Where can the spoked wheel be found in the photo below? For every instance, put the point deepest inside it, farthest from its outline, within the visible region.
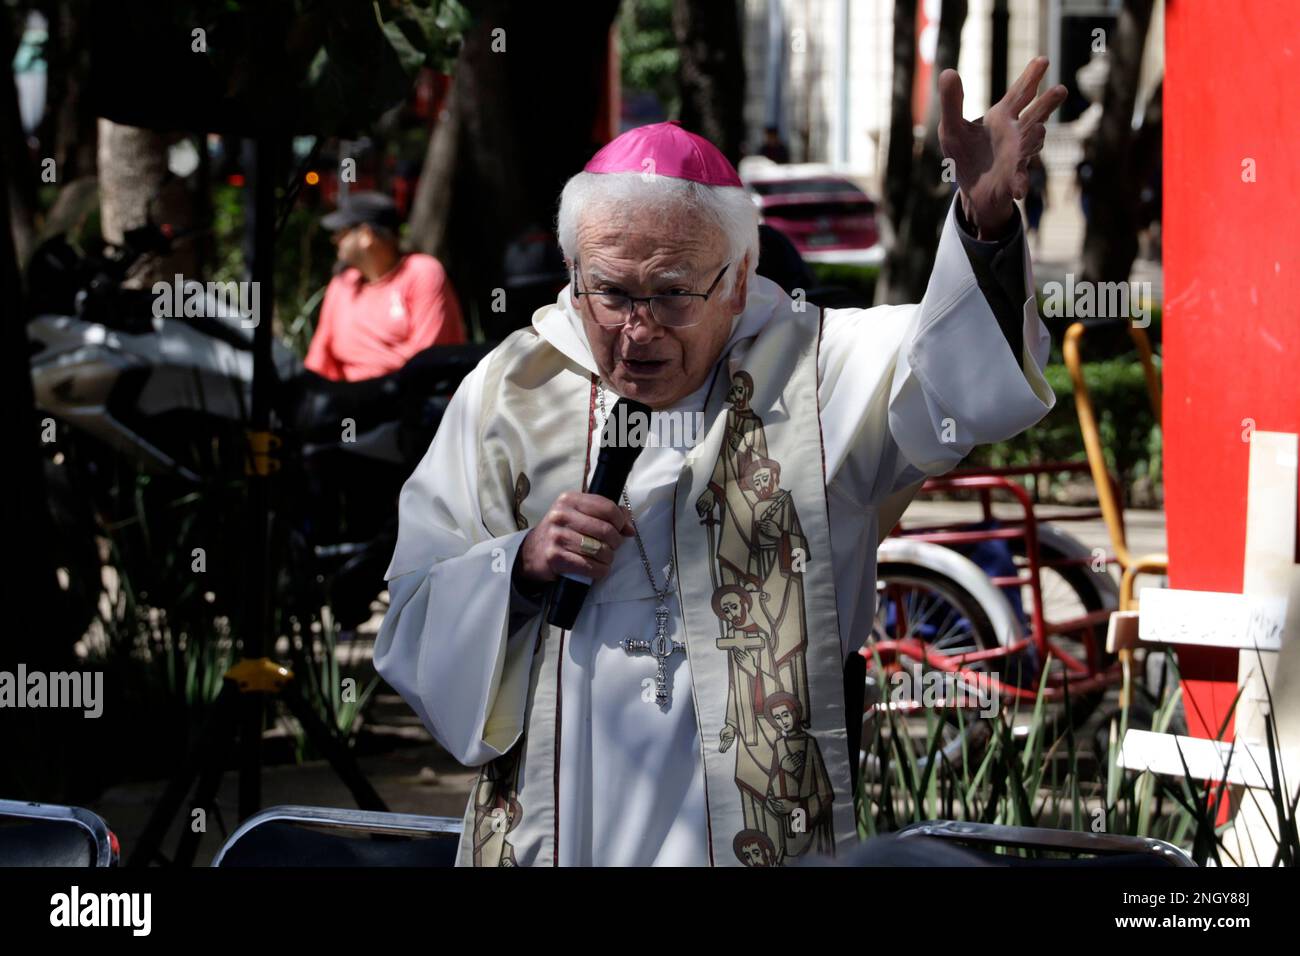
(919, 603)
(1071, 591)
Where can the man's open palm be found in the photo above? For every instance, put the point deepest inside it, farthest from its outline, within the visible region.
(992, 154)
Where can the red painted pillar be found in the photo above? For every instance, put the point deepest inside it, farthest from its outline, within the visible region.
(1232, 291)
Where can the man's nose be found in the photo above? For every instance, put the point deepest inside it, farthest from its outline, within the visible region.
(641, 326)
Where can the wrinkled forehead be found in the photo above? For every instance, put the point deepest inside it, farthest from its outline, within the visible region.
(646, 243)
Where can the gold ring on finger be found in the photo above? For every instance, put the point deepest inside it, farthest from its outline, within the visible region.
(589, 546)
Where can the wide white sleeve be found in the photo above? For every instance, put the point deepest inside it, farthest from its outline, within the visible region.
(446, 644)
(907, 391)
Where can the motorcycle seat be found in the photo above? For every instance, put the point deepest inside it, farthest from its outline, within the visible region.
(439, 369)
(316, 405)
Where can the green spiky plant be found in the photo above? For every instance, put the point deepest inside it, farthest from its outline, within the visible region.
(1202, 801)
(165, 638)
(1030, 774)
(339, 692)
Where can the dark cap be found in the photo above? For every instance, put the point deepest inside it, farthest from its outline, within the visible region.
(363, 208)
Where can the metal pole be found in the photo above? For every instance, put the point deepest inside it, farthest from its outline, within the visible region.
(259, 254)
(843, 86)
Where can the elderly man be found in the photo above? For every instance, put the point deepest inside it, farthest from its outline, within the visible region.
(849, 408)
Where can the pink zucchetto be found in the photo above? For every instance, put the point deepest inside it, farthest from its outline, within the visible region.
(665, 149)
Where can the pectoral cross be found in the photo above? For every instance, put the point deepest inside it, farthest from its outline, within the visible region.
(661, 647)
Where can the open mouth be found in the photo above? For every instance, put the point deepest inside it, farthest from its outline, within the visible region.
(643, 366)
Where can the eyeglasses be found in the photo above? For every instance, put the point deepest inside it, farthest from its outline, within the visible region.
(675, 310)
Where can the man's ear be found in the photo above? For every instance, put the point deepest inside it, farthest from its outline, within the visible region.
(740, 292)
(568, 268)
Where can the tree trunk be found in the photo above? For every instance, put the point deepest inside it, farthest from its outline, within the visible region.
(928, 197)
(711, 72)
(20, 174)
(1110, 242)
(68, 130)
(898, 159)
(498, 170)
(431, 205)
(135, 188)
(999, 28)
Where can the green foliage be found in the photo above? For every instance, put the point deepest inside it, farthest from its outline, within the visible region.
(857, 278)
(167, 632)
(320, 66)
(163, 642)
(1117, 385)
(1028, 774)
(303, 266)
(424, 32)
(1034, 773)
(228, 232)
(323, 676)
(648, 51)
(1129, 432)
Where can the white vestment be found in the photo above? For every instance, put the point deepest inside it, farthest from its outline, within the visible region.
(904, 392)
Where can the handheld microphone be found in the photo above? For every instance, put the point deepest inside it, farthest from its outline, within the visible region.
(621, 440)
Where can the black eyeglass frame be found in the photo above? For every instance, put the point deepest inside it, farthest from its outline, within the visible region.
(649, 300)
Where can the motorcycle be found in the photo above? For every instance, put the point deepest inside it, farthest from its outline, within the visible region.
(144, 416)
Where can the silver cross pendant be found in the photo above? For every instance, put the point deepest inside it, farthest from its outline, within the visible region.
(660, 647)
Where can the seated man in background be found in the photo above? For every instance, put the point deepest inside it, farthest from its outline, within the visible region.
(385, 306)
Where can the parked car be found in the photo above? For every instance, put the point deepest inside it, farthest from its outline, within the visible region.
(825, 215)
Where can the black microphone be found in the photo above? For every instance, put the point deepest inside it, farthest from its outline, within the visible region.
(621, 440)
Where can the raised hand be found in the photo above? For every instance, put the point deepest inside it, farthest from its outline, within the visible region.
(991, 154)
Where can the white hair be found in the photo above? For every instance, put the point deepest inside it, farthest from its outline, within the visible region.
(730, 208)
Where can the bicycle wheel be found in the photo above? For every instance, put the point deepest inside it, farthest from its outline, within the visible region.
(920, 603)
(1071, 591)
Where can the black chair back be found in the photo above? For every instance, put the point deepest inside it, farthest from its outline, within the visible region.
(47, 834)
(329, 837)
